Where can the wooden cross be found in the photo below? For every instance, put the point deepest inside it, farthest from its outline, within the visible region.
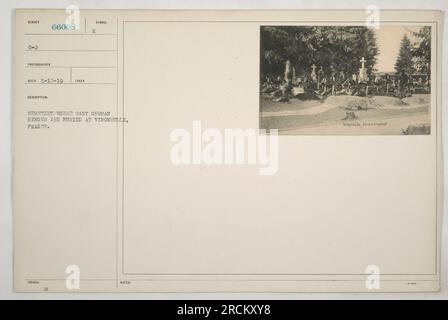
(363, 61)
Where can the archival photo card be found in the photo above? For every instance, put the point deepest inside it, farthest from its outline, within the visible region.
(227, 151)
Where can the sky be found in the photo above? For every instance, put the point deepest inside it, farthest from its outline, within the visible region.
(388, 41)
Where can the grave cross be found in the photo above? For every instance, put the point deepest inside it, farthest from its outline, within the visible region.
(313, 72)
(363, 61)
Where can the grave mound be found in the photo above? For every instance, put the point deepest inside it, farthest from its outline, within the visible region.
(418, 99)
(352, 102)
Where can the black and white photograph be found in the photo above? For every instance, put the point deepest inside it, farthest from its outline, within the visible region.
(349, 80)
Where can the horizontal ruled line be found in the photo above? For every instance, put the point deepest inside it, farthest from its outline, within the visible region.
(55, 50)
(244, 280)
(66, 83)
(70, 34)
(80, 67)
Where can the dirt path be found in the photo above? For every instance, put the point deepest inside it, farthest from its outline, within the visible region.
(384, 126)
(376, 115)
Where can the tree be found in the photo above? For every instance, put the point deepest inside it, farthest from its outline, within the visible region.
(422, 50)
(404, 64)
(367, 48)
(332, 48)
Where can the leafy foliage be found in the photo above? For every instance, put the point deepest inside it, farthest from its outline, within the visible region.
(415, 57)
(404, 64)
(422, 50)
(332, 48)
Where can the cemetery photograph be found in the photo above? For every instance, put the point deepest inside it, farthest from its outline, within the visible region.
(345, 80)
